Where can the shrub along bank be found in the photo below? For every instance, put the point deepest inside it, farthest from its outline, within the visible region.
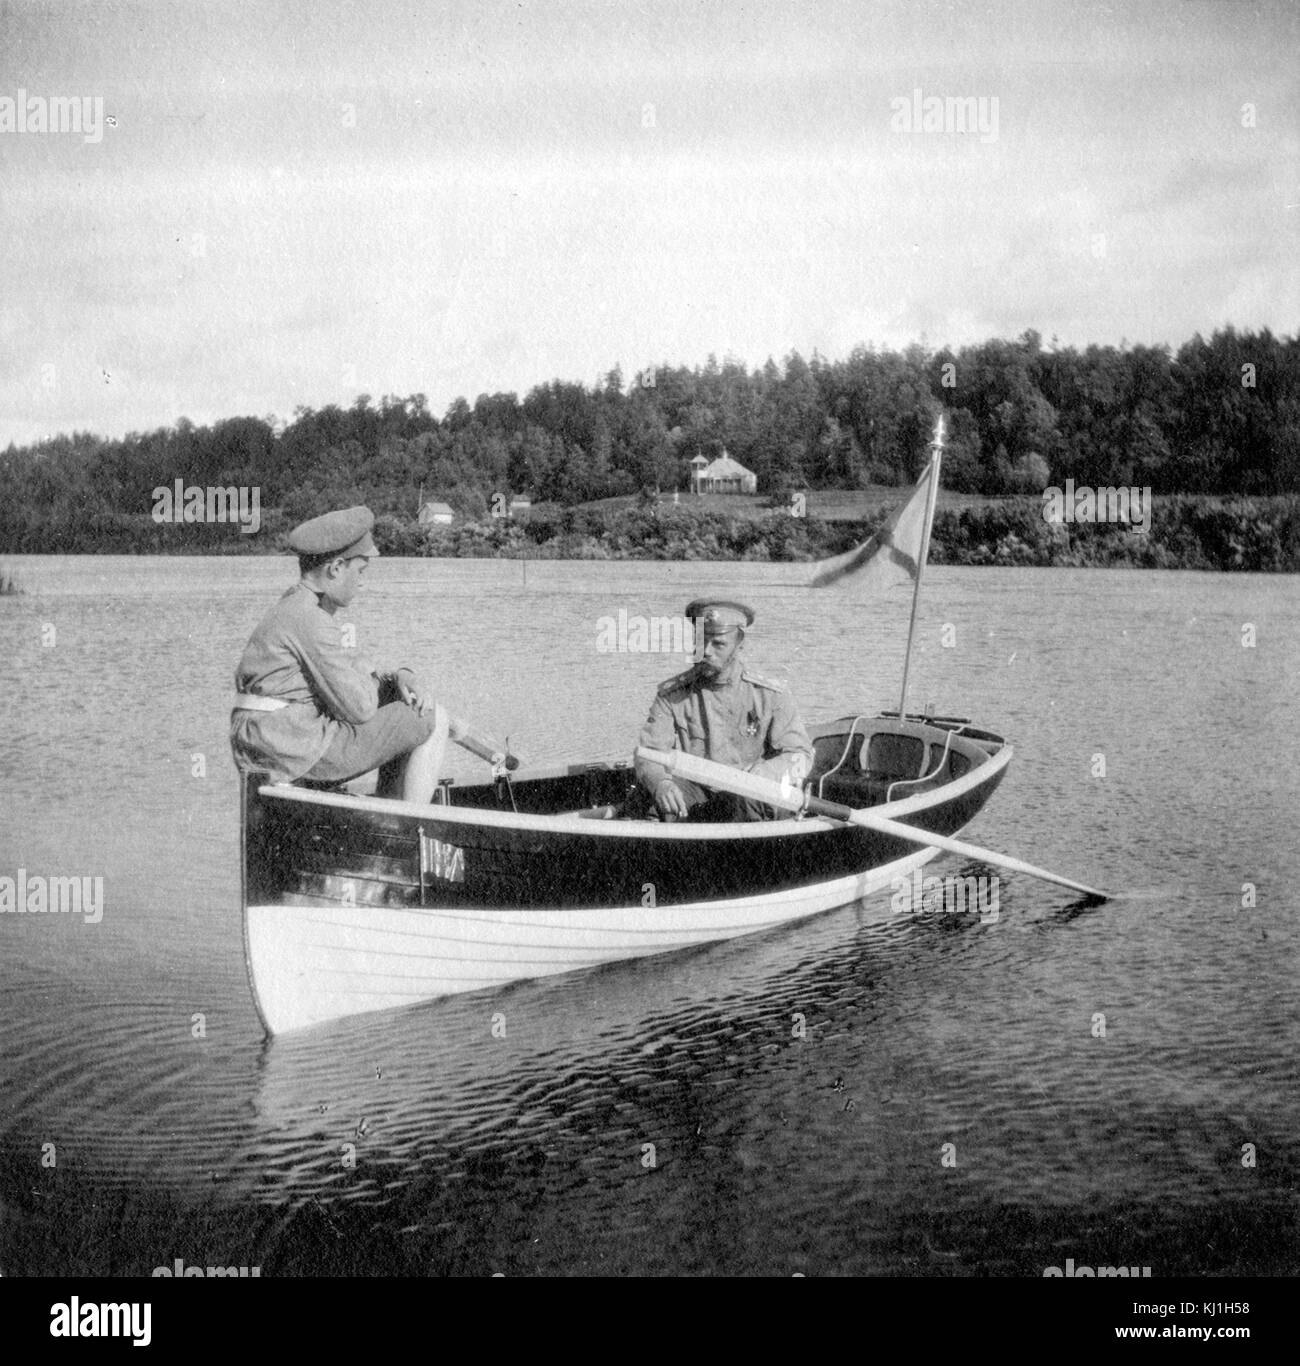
(1187, 531)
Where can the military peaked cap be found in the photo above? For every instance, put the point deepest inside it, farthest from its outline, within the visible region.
(719, 615)
(346, 533)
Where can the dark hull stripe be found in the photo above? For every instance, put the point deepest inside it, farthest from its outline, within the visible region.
(306, 854)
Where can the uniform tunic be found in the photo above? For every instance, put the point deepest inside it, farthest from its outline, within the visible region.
(740, 719)
(295, 655)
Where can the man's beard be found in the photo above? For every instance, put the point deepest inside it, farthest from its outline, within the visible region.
(712, 671)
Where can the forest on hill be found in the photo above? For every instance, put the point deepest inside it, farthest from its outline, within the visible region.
(1219, 416)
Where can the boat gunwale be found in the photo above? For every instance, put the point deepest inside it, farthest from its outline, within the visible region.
(567, 824)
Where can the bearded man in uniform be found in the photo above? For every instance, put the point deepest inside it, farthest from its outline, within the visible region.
(721, 709)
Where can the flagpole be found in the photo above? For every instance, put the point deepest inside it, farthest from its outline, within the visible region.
(935, 459)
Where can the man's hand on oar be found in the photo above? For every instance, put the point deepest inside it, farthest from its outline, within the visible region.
(788, 796)
(415, 692)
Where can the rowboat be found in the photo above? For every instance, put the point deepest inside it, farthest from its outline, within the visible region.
(354, 904)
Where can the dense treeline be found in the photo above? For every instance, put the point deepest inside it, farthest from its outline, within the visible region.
(1219, 416)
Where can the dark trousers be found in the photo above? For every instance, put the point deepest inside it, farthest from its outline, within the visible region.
(383, 742)
(703, 804)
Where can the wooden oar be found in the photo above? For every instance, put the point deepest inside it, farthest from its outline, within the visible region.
(483, 745)
(789, 797)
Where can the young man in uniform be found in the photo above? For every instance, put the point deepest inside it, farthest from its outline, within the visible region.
(721, 710)
(305, 706)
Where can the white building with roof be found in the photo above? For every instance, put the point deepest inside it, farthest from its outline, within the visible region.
(725, 475)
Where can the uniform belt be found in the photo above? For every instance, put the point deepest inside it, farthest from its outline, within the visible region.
(247, 701)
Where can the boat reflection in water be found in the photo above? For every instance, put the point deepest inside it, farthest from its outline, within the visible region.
(577, 1072)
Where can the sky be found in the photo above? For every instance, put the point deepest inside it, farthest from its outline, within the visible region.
(291, 204)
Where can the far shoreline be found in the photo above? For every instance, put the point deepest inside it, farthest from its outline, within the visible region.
(1208, 532)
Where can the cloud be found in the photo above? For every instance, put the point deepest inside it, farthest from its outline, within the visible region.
(393, 200)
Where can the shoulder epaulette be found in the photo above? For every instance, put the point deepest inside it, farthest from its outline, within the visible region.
(680, 680)
(760, 681)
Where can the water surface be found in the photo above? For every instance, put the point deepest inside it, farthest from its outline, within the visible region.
(1155, 755)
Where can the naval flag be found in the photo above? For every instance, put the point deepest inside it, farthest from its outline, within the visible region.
(895, 554)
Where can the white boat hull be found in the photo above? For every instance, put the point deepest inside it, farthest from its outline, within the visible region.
(317, 962)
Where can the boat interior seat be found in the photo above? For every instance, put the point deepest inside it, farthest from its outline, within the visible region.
(826, 753)
(877, 763)
(884, 755)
